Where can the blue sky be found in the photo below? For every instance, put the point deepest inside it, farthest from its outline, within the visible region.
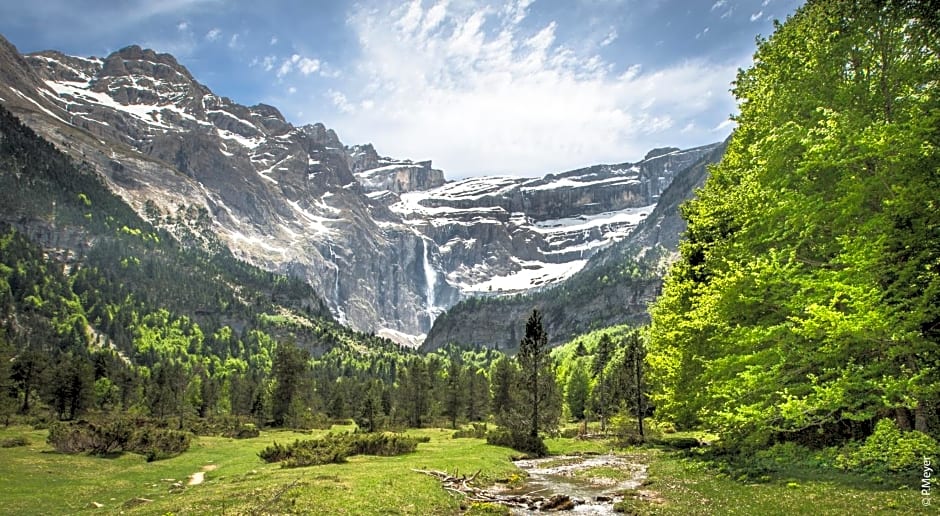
(521, 87)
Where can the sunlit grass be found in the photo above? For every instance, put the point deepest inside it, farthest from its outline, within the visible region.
(36, 480)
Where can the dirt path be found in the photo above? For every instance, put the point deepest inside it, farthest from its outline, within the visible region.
(200, 476)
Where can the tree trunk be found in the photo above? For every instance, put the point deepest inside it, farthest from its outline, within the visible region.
(902, 419)
(920, 417)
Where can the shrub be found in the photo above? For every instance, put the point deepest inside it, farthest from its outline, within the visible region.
(160, 443)
(335, 448)
(666, 427)
(888, 449)
(523, 442)
(243, 431)
(116, 436)
(476, 431)
(383, 444)
(86, 437)
(14, 442)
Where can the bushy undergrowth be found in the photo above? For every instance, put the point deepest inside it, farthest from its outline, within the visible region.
(243, 431)
(335, 448)
(117, 436)
(886, 452)
(888, 449)
(14, 442)
(518, 441)
(476, 431)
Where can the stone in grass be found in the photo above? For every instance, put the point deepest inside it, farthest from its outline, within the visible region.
(134, 502)
(559, 502)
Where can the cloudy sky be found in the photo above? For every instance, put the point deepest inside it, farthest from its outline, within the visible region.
(520, 87)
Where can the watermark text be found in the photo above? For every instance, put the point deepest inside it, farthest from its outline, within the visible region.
(925, 481)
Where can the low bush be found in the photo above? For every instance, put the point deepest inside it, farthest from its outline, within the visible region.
(243, 431)
(112, 436)
(335, 448)
(518, 441)
(476, 431)
(888, 449)
(14, 442)
(159, 443)
(117, 436)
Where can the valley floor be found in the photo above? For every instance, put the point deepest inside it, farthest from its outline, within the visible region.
(225, 476)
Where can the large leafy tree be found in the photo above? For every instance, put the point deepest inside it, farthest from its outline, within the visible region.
(805, 302)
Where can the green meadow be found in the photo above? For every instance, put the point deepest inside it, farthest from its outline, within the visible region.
(34, 479)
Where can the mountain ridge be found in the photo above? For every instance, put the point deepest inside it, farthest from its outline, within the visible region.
(389, 243)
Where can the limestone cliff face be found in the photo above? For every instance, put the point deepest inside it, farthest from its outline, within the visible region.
(615, 286)
(387, 242)
(280, 196)
(383, 174)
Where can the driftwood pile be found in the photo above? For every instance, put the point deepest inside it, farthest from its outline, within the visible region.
(532, 501)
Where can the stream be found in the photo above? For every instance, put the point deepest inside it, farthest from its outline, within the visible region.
(566, 476)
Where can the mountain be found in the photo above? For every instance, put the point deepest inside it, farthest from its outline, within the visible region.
(615, 286)
(387, 242)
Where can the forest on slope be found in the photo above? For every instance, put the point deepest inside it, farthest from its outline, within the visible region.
(806, 303)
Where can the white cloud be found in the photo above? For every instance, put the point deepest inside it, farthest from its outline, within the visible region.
(756, 16)
(479, 91)
(214, 34)
(292, 90)
(295, 62)
(340, 101)
(611, 37)
(307, 66)
(719, 4)
(233, 41)
(273, 40)
(268, 63)
(182, 26)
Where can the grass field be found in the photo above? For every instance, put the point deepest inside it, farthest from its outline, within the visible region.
(36, 480)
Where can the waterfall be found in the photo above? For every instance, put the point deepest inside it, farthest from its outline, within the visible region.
(341, 315)
(336, 278)
(430, 280)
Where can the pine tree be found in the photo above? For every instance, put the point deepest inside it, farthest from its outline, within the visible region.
(454, 392)
(289, 370)
(537, 384)
(503, 374)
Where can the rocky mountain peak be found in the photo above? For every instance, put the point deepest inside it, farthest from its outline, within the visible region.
(386, 241)
(661, 151)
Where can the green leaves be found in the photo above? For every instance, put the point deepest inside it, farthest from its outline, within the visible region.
(807, 292)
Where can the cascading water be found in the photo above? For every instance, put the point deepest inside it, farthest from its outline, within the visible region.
(341, 315)
(336, 278)
(430, 280)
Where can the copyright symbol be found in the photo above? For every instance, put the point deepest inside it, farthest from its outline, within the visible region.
(926, 502)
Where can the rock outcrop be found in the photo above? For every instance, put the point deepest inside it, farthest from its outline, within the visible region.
(387, 242)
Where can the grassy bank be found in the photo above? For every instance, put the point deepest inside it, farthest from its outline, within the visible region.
(36, 480)
(683, 485)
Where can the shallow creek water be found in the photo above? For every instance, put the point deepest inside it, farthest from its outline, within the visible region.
(567, 475)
